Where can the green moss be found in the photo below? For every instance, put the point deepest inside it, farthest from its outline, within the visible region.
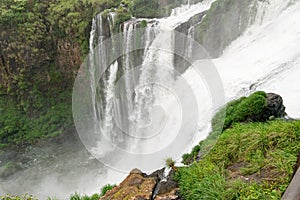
(241, 110)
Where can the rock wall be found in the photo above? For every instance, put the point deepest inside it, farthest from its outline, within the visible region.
(224, 22)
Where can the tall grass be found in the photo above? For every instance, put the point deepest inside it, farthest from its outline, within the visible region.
(265, 154)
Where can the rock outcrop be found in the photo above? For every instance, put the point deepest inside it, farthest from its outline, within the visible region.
(274, 106)
(140, 186)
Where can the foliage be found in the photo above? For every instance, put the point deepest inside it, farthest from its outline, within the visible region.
(143, 23)
(244, 109)
(77, 196)
(170, 162)
(24, 197)
(241, 110)
(106, 188)
(266, 151)
(122, 15)
(142, 8)
(154, 8)
(36, 83)
(50, 116)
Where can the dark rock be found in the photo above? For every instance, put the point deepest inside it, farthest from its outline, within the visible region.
(274, 108)
(158, 175)
(169, 185)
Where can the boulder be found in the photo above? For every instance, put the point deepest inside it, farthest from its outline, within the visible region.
(273, 109)
(140, 186)
(136, 186)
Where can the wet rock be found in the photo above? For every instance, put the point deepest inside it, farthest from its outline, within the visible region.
(169, 189)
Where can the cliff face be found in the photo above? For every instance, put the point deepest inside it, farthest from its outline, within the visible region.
(39, 38)
(224, 22)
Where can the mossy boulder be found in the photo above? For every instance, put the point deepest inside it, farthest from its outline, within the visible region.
(258, 107)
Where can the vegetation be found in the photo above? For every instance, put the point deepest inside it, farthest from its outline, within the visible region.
(249, 161)
(170, 163)
(75, 196)
(122, 15)
(49, 117)
(154, 8)
(42, 45)
(106, 188)
(245, 109)
(85, 197)
(24, 197)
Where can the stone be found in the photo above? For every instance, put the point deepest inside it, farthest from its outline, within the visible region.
(140, 186)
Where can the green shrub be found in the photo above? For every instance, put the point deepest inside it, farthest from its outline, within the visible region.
(143, 23)
(106, 188)
(243, 109)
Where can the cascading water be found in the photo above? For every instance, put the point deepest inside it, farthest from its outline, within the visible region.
(265, 56)
(142, 95)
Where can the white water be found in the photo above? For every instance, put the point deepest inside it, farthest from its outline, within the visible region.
(268, 52)
(266, 55)
(254, 58)
(184, 13)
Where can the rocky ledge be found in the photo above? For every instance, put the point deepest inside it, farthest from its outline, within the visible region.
(140, 186)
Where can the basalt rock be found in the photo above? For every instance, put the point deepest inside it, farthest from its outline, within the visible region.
(275, 105)
(273, 109)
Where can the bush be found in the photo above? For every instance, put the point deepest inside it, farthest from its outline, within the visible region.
(106, 188)
(244, 109)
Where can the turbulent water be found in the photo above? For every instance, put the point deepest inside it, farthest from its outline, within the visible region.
(265, 57)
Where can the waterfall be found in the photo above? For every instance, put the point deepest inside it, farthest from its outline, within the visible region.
(135, 111)
(131, 115)
(92, 70)
(128, 40)
(110, 96)
(189, 47)
(263, 55)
